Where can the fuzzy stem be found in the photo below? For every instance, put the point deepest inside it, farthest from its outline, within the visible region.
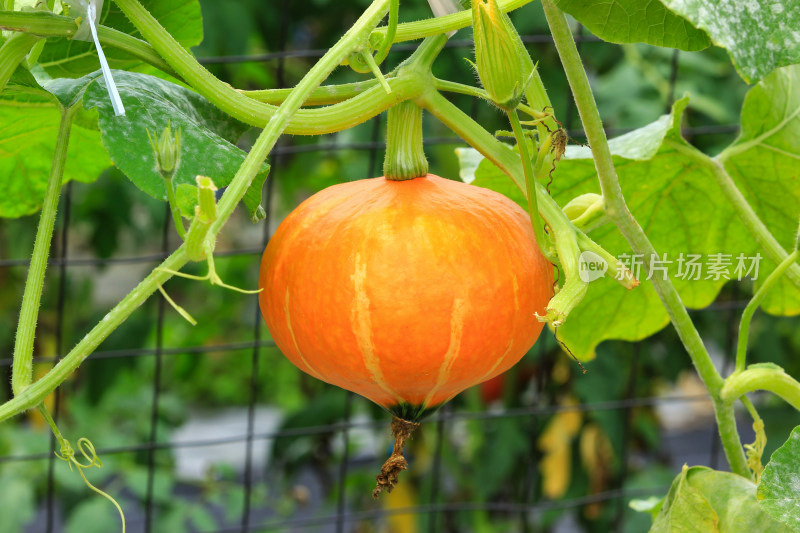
(617, 210)
(388, 39)
(376, 71)
(460, 88)
(771, 379)
(324, 95)
(197, 247)
(411, 31)
(173, 207)
(405, 155)
(44, 24)
(530, 181)
(758, 297)
(36, 393)
(306, 122)
(283, 116)
(22, 367)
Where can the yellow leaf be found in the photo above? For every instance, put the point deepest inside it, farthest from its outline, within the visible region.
(556, 444)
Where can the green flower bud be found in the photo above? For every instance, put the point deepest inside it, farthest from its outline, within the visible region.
(587, 211)
(497, 53)
(167, 150)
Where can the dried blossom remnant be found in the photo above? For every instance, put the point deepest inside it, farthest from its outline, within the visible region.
(396, 463)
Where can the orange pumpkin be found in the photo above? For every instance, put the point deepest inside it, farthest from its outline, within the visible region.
(405, 292)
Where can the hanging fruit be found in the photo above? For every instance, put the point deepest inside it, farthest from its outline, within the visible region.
(406, 290)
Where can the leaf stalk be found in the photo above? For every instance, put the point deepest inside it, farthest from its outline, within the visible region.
(617, 210)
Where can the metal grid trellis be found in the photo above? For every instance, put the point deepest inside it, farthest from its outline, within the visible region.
(436, 511)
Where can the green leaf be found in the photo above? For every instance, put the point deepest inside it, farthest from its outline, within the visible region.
(765, 164)
(677, 200)
(29, 121)
(69, 92)
(207, 134)
(661, 187)
(685, 510)
(733, 499)
(70, 58)
(759, 35)
(708, 501)
(22, 77)
(27, 140)
(635, 21)
(779, 489)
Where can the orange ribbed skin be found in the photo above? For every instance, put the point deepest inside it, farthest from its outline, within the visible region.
(405, 292)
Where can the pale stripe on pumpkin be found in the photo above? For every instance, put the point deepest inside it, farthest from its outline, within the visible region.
(311, 370)
(456, 332)
(362, 328)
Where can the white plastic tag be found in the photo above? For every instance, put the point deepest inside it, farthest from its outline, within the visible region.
(87, 31)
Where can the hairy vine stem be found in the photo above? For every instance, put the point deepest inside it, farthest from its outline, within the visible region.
(22, 366)
(752, 305)
(45, 24)
(304, 122)
(308, 122)
(618, 212)
(757, 377)
(35, 393)
(410, 31)
(530, 180)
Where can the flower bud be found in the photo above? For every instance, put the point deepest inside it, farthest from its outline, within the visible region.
(497, 53)
(167, 150)
(587, 211)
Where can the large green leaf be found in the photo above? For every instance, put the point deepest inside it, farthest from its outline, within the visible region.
(779, 489)
(685, 510)
(765, 164)
(678, 204)
(635, 21)
(70, 58)
(208, 135)
(677, 201)
(760, 35)
(707, 501)
(29, 121)
(733, 499)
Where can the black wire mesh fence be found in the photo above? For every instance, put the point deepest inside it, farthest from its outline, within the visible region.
(523, 507)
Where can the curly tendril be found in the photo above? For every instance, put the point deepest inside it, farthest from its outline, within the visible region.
(86, 448)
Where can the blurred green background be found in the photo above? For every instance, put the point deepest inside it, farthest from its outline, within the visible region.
(544, 448)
